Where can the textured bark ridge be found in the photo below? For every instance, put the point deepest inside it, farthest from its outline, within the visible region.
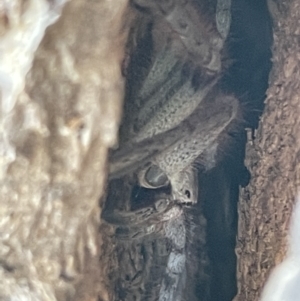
(273, 160)
(56, 128)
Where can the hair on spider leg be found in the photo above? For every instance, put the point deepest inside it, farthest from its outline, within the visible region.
(249, 44)
(230, 142)
(233, 135)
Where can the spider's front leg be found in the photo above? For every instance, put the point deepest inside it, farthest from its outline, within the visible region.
(146, 216)
(138, 223)
(154, 225)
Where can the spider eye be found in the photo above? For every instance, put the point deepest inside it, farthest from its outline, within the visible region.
(187, 193)
(155, 177)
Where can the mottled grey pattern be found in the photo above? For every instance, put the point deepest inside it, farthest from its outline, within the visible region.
(177, 115)
(201, 39)
(180, 116)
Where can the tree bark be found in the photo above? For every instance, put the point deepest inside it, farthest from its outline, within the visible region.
(273, 159)
(57, 127)
(53, 169)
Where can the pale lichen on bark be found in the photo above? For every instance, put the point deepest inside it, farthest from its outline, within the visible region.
(56, 128)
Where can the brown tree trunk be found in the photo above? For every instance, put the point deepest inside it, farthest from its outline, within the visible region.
(273, 159)
(54, 143)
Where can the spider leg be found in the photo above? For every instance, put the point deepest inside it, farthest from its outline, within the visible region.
(154, 224)
(209, 122)
(197, 33)
(136, 217)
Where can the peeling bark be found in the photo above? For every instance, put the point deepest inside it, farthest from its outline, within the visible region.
(273, 159)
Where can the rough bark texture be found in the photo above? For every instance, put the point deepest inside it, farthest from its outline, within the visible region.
(273, 160)
(60, 129)
(49, 239)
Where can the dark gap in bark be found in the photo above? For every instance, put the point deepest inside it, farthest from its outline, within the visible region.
(249, 49)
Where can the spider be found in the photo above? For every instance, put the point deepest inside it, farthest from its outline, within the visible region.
(178, 113)
(177, 117)
(175, 114)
